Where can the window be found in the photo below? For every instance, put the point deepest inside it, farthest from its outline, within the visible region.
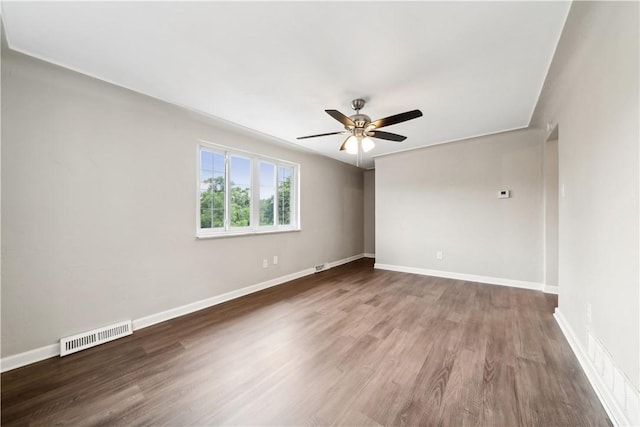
(267, 193)
(229, 183)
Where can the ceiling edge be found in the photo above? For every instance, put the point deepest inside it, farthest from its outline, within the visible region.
(546, 75)
(215, 120)
(453, 140)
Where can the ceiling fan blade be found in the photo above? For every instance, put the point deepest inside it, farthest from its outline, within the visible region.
(387, 135)
(398, 118)
(344, 144)
(340, 117)
(322, 134)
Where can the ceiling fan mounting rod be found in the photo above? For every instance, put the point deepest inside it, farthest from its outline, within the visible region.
(358, 104)
(359, 120)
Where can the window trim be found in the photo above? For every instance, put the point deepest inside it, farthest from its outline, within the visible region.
(254, 227)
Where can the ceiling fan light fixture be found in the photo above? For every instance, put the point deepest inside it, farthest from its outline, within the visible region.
(362, 129)
(351, 145)
(367, 144)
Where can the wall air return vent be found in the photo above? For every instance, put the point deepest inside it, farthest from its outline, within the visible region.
(95, 337)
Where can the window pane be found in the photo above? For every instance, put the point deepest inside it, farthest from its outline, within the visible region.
(240, 176)
(206, 199)
(267, 192)
(205, 218)
(217, 184)
(218, 218)
(284, 195)
(206, 174)
(211, 190)
(218, 164)
(206, 160)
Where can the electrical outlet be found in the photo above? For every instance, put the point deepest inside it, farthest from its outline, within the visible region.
(275, 259)
(439, 255)
(265, 263)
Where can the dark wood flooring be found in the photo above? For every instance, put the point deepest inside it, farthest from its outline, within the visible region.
(349, 346)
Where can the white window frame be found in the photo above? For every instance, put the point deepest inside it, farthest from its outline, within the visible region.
(254, 227)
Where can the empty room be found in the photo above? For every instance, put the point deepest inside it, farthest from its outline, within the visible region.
(320, 213)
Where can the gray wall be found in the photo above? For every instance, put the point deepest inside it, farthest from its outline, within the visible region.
(444, 198)
(370, 211)
(98, 207)
(551, 195)
(591, 92)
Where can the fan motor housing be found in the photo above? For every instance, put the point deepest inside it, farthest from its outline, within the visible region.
(361, 121)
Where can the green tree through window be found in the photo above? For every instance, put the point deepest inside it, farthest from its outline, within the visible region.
(240, 201)
(284, 195)
(267, 193)
(212, 189)
(240, 206)
(212, 204)
(241, 191)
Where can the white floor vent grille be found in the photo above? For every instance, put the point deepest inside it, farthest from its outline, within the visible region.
(95, 337)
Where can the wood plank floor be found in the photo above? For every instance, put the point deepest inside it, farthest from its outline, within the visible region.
(349, 346)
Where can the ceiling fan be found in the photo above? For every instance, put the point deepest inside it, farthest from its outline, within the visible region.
(362, 129)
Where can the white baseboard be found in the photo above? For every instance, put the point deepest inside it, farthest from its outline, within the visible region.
(344, 261)
(28, 357)
(369, 255)
(36, 355)
(462, 276)
(163, 316)
(550, 289)
(616, 393)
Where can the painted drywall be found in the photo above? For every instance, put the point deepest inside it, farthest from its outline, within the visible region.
(445, 198)
(591, 93)
(3, 40)
(370, 212)
(551, 194)
(99, 199)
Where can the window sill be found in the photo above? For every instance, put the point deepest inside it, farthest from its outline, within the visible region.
(244, 233)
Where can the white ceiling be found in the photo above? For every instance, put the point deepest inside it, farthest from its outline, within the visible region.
(473, 68)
